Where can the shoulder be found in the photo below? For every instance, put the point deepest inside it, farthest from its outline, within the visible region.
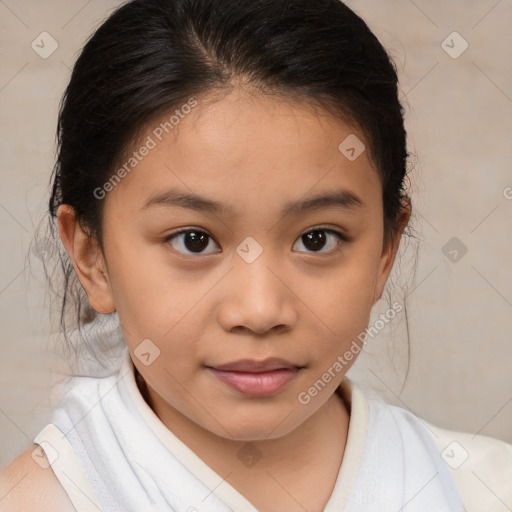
(481, 467)
(399, 459)
(29, 484)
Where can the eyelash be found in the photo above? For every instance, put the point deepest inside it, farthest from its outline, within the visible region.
(342, 238)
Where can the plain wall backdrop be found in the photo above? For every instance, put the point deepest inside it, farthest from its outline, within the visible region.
(454, 64)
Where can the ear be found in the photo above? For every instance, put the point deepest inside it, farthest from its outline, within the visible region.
(88, 260)
(390, 249)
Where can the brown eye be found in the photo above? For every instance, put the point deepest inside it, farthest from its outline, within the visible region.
(317, 239)
(191, 241)
(314, 240)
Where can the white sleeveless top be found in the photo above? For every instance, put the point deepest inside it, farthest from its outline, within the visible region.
(112, 453)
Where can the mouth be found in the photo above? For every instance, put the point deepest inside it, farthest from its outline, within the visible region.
(256, 378)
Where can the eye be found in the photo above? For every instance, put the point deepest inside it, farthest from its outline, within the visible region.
(315, 240)
(193, 240)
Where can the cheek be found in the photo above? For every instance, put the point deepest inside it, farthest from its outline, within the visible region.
(349, 287)
(148, 294)
(154, 298)
(155, 303)
(342, 302)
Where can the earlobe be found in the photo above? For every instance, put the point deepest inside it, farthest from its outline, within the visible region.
(88, 260)
(385, 266)
(389, 251)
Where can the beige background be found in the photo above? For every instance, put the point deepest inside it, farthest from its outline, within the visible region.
(459, 113)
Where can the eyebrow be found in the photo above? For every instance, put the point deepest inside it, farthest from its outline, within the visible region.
(341, 199)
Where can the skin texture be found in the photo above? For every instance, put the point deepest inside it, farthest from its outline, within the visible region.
(253, 154)
(27, 485)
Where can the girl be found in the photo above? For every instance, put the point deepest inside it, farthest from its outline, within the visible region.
(230, 194)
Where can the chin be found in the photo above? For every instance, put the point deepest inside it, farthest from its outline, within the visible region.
(257, 426)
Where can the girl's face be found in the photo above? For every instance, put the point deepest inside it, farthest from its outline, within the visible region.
(221, 257)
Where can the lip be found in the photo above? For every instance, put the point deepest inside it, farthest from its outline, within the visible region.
(254, 366)
(256, 378)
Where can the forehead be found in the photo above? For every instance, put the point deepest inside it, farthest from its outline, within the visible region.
(241, 145)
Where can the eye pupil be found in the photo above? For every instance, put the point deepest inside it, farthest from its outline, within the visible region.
(314, 240)
(195, 241)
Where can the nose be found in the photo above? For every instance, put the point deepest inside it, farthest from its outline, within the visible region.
(256, 298)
